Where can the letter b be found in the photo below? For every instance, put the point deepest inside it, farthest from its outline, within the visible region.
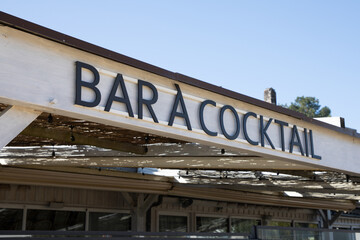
(91, 85)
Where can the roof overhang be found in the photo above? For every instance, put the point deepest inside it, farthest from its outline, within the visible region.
(135, 183)
(69, 103)
(50, 75)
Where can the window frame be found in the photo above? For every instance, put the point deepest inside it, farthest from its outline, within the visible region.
(244, 218)
(175, 214)
(213, 216)
(100, 210)
(26, 207)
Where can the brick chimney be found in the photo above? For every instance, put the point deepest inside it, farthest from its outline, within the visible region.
(270, 95)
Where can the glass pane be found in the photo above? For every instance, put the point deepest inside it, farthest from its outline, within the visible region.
(109, 221)
(55, 220)
(308, 234)
(10, 219)
(285, 234)
(212, 224)
(243, 225)
(343, 235)
(172, 223)
(278, 224)
(306, 225)
(279, 234)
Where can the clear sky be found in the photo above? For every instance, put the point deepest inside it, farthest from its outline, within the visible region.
(299, 48)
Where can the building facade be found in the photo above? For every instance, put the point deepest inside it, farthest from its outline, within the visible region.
(87, 134)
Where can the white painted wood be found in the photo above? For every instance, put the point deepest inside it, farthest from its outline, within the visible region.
(13, 120)
(42, 77)
(187, 155)
(162, 149)
(336, 121)
(190, 162)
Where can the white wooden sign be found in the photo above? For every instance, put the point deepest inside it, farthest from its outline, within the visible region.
(43, 75)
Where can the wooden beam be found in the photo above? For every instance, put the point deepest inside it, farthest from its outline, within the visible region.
(138, 219)
(335, 217)
(129, 200)
(329, 219)
(78, 139)
(299, 186)
(13, 120)
(149, 201)
(138, 212)
(171, 162)
(261, 199)
(9, 175)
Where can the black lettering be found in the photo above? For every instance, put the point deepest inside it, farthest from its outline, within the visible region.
(179, 99)
(91, 85)
(119, 81)
(313, 155)
(282, 124)
(146, 102)
(201, 116)
(295, 142)
(263, 133)
(236, 134)
(246, 116)
(306, 142)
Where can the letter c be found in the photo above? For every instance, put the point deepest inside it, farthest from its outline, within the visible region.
(245, 129)
(201, 116)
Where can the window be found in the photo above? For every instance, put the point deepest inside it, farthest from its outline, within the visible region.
(239, 225)
(307, 234)
(55, 220)
(306, 225)
(10, 219)
(278, 233)
(173, 223)
(279, 224)
(100, 221)
(212, 224)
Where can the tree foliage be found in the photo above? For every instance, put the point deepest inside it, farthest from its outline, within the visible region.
(309, 106)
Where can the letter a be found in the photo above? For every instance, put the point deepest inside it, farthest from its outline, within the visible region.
(179, 99)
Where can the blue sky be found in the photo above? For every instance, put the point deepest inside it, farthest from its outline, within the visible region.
(299, 48)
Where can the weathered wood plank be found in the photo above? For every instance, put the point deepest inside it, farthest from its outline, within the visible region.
(77, 139)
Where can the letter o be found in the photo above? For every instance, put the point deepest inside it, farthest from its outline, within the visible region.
(226, 134)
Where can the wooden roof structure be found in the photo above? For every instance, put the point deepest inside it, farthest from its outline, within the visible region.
(63, 150)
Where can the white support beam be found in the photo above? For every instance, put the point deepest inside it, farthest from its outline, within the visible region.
(13, 120)
(182, 162)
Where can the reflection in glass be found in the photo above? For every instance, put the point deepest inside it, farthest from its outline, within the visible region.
(279, 224)
(286, 234)
(243, 225)
(276, 234)
(308, 234)
(172, 223)
(55, 220)
(306, 225)
(10, 219)
(212, 224)
(100, 221)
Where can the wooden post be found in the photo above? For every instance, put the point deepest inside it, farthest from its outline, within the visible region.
(328, 220)
(139, 205)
